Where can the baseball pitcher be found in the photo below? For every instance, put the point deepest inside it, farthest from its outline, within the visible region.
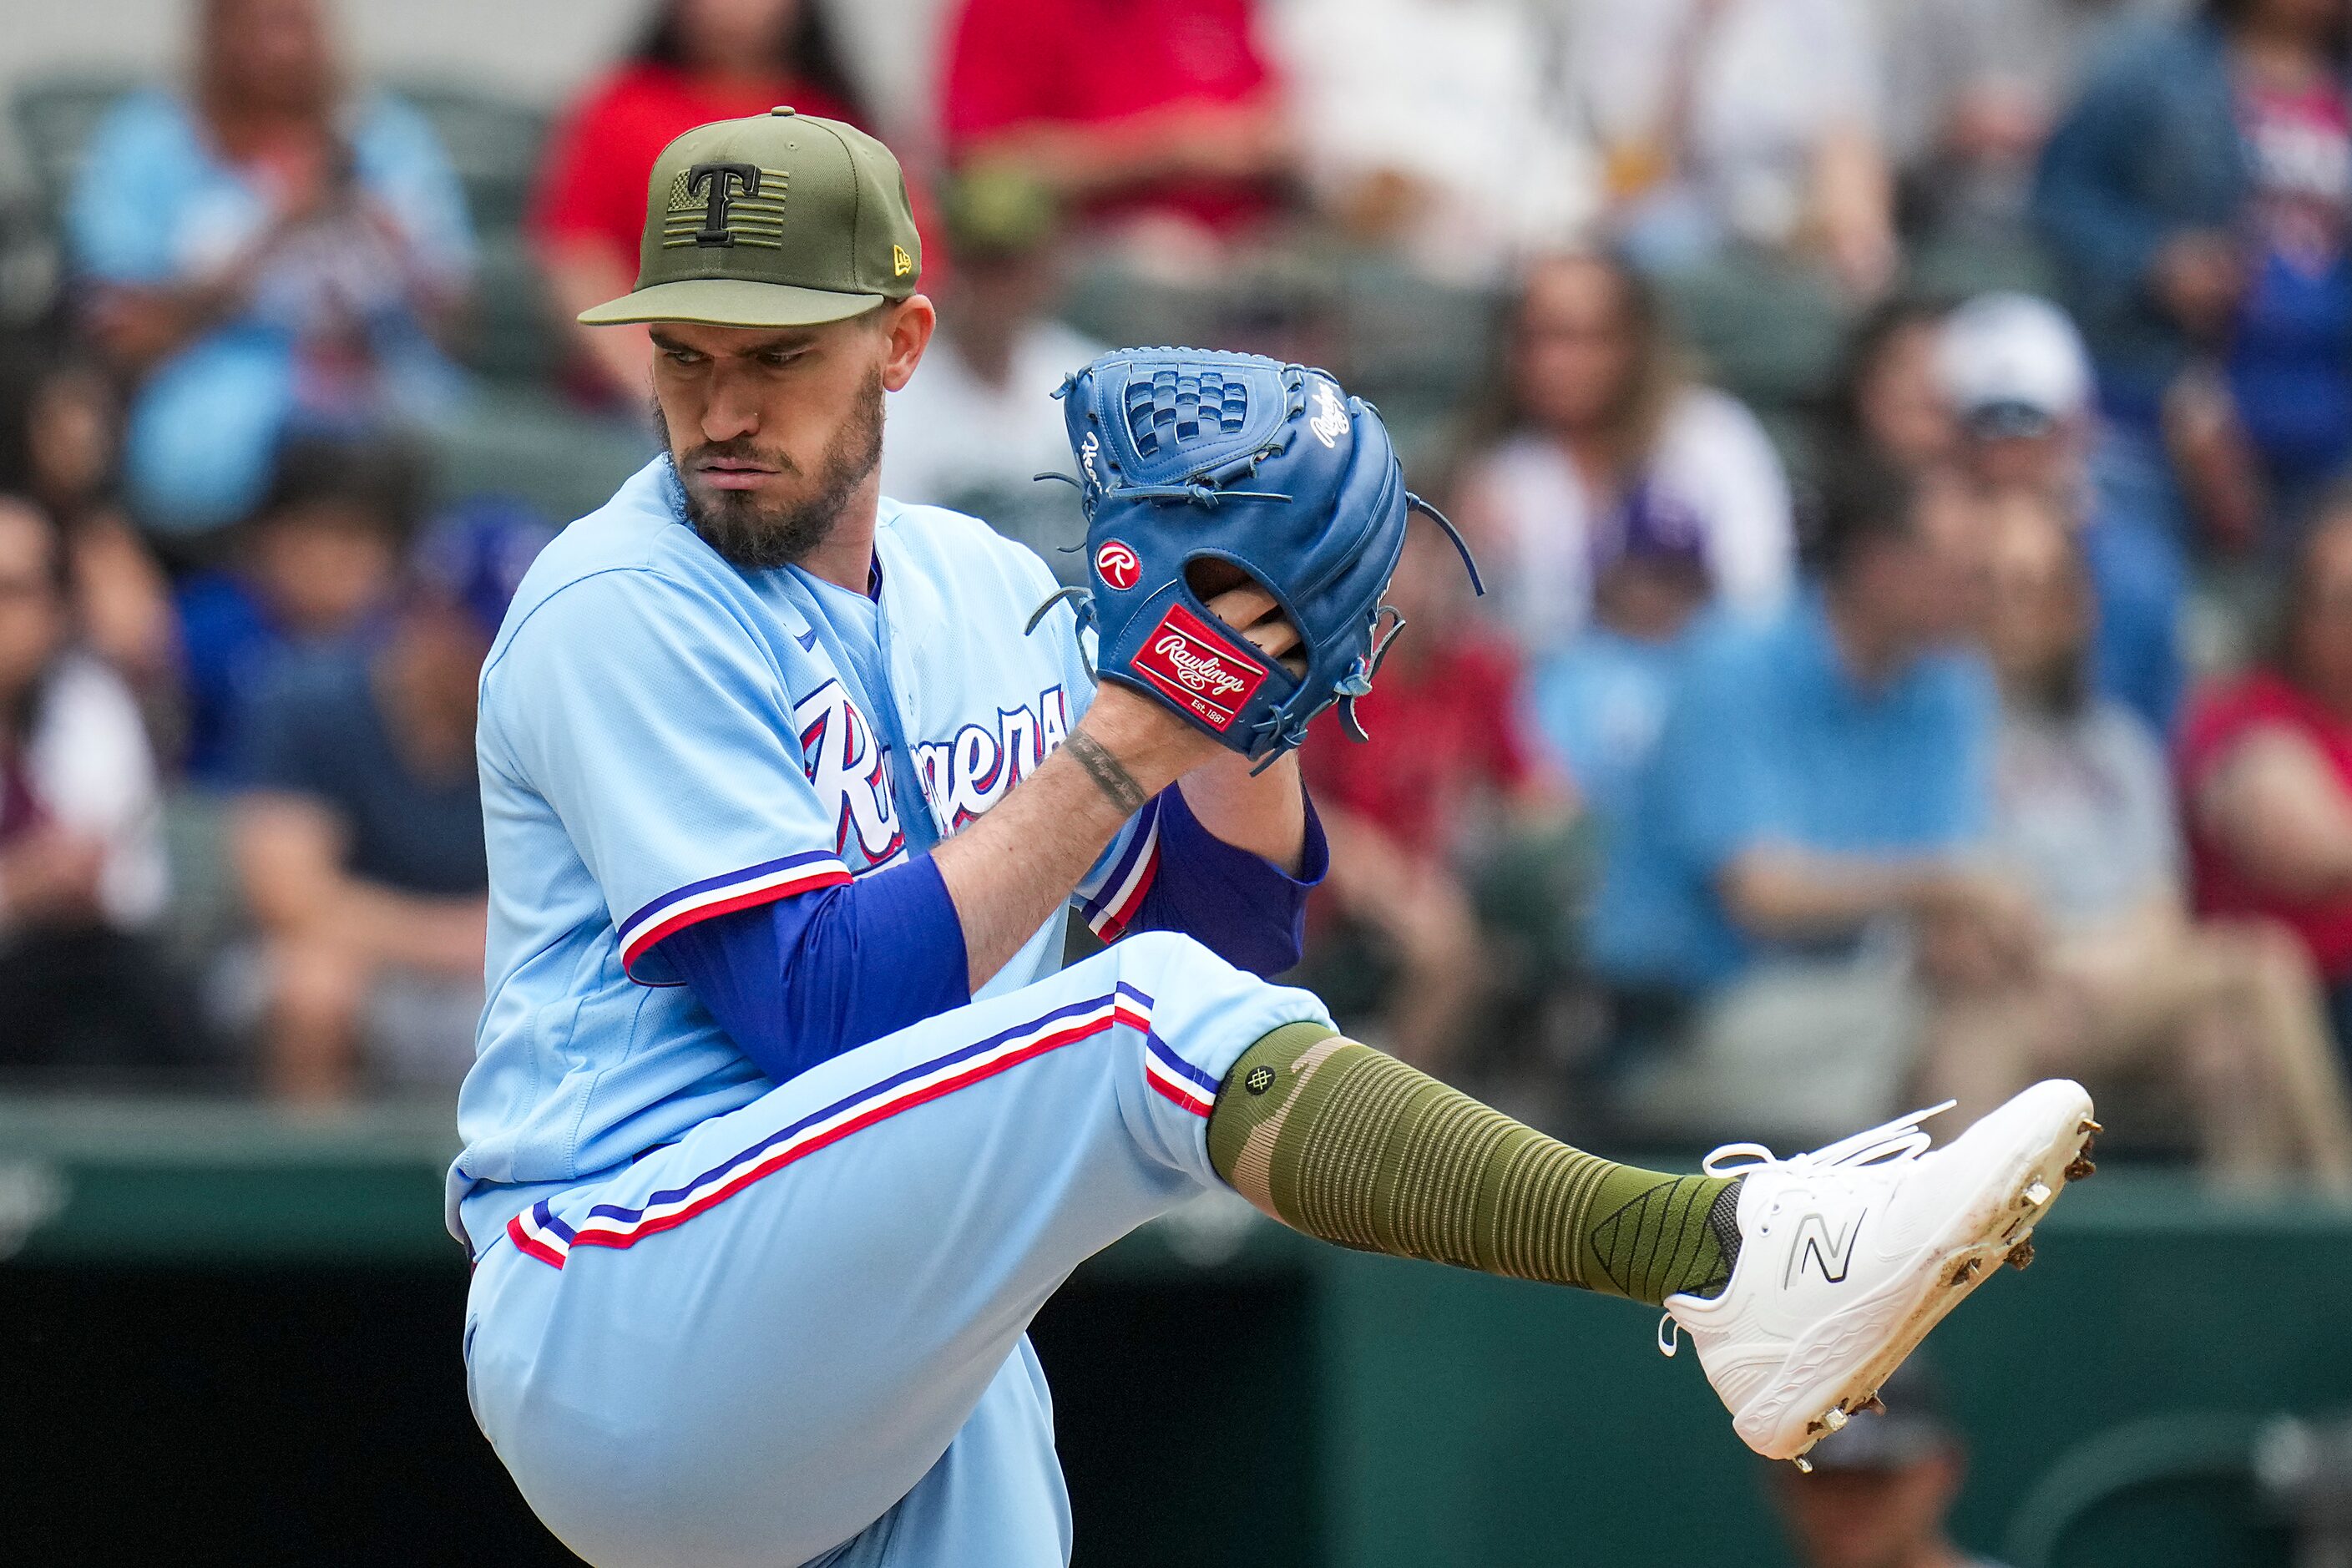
(787, 1117)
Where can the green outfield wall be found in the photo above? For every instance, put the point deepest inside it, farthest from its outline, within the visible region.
(227, 1334)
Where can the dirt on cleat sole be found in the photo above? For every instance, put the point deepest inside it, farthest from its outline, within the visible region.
(2020, 1256)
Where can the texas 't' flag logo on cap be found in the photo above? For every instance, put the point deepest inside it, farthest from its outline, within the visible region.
(726, 204)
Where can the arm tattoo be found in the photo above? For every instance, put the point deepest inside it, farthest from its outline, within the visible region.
(1103, 768)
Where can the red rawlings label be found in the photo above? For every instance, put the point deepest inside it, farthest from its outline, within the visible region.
(1184, 659)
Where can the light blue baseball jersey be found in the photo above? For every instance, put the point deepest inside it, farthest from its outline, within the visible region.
(718, 1320)
(663, 738)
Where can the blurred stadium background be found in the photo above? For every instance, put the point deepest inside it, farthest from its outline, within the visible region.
(1978, 371)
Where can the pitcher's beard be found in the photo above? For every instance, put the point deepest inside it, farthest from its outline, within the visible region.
(757, 536)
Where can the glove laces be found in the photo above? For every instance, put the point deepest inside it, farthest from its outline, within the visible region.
(1901, 1139)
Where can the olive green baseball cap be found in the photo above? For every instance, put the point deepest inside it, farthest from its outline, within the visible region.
(780, 219)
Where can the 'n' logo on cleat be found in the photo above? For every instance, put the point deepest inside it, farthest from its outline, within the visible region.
(1831, 1256)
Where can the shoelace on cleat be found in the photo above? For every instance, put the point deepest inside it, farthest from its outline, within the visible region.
(1901, 1139)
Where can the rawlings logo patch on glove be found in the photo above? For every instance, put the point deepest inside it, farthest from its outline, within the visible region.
(1188, 456)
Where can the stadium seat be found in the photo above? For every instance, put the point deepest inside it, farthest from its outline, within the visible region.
(53, 118)
(531, 446)
(512, 337)
(1769, 330)
(493, 141)
(1955, 269)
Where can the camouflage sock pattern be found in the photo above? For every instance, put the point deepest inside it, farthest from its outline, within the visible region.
(1341, 1142)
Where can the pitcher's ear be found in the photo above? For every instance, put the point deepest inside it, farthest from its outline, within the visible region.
(907, 324)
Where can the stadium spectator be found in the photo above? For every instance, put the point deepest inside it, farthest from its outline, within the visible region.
(1889, 399)
(2198, 194)
(1600, 702)
(1436, 127)
(978, 423)
(2222, 1017)
(82, 873)
(1973, 88)
(1588, 403)
(265, 250)
(1812, 814)
(61, 450)
(1446, 777)
(697, 60)
(305, 573)
(2266, 772)
(1739, 121)
(2019, 382)
(1882, 1489)
(358, 833)
(1159, 116)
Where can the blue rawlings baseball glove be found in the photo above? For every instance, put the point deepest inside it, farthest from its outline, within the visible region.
(1188, 456)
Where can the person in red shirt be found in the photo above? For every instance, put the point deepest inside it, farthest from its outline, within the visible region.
(2266, 772)
(1161, 112)
(700, 60)
(1448, 758)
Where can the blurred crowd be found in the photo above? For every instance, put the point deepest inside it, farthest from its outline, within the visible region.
(1905, 439)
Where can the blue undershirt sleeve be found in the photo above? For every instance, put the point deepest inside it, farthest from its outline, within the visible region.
(1244, 909)
(802, 979)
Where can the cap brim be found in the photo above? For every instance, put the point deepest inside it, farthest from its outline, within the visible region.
(730, 302)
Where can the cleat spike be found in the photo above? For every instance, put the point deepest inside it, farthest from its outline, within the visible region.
(1873, 1403)
(1834, 1418)
(1804, 1466)
(2038, 1193)
(2091, 1127)
(1967, 1271)
(2022, 1254)
(2081, 1168)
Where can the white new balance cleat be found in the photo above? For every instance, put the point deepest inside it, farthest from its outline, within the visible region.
(1849, 1255)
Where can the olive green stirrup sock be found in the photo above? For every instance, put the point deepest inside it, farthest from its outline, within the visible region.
(1345, 1143)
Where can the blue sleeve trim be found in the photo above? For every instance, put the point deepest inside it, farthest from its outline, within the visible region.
(800, 980)
(1245, 910)
(727, 893)
(1122, 893)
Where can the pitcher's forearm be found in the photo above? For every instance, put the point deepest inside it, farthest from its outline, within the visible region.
(1014, 866)
(1011, 868)
(1266, 814)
